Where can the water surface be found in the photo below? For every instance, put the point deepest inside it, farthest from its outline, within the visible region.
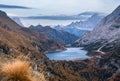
(69, 54)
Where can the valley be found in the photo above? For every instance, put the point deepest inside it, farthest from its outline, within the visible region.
(85, 50)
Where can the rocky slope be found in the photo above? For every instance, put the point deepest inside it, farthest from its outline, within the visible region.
(106, 35)
(40, 41)
(16, 40)
(57, 35)
(79, 27)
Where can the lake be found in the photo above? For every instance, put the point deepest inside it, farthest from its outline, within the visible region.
(69, 54)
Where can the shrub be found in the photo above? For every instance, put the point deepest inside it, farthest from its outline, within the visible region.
(17, 70)
(20, 68)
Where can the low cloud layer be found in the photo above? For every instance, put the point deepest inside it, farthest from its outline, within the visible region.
(13, 7)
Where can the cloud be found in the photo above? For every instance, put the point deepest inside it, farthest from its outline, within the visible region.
(57, 7)
(80, 16)
(13, 7)
(53, 17)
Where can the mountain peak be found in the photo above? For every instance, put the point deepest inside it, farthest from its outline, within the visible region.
(116, 11)
(107, 32)
(2, 14)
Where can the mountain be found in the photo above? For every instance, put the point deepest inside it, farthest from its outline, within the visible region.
(57, 35)
(3, 14)
(103, 44)
(39, 40)
(79, 27)
(13, 42)
(105, 36)
(17, 20)
(16, 40)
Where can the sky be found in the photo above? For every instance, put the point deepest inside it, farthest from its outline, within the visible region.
(59, 7)
(56, 7)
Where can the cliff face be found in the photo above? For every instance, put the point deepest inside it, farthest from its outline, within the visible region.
(106, 33)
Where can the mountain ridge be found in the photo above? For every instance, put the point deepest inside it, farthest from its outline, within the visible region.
(79, 27)
(40, 39)
(106, 32)
(61, 36)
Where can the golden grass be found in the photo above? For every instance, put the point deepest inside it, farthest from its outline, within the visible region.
(17, 71)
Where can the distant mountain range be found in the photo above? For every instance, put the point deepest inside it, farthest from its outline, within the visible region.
(91, 19)
(87, 21)
(57, 35)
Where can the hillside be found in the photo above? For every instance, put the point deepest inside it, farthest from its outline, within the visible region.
(106, 35)
(103, 44)
(17, 41)
(13, 40)
(13, 45)
(61, 36)
(40, 40)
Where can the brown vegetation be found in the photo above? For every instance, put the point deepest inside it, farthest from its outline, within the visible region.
(105, 68)
(19, 70)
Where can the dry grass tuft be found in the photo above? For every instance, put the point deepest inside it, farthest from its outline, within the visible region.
(20, 69)
(17, 71)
